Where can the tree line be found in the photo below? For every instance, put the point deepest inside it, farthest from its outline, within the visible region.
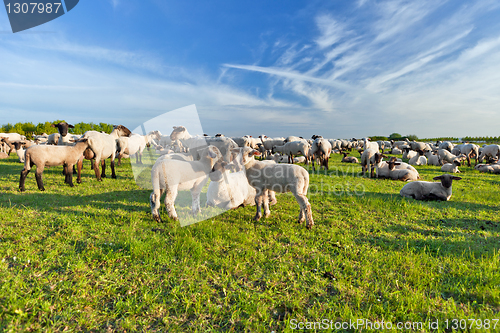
(29, 129)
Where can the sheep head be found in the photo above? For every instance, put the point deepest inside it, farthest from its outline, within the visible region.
(447, 180)
(62, 127)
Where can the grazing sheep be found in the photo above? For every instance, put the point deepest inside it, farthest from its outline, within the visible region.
(269, 143)
(448, 157)
(401, 174)
(421, 190)
(321, 150)
(265, 177)
(349, 159)
(470, 150)
(419, 159)
(294, 148)
(451, 167)
(230, 190)
(103, 146)
(47, 155)
(133, 145)
(490, 152)
(447, 145)
(170, 175)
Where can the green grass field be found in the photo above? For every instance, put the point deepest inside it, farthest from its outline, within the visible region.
(91, 258)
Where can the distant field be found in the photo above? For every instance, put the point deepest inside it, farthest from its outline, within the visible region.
(91, 258)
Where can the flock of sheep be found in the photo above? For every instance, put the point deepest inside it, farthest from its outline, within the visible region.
(237, 178)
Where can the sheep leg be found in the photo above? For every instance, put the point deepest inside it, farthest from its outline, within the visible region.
(103, 164)
(272, 198)
(305, 210)
(22, 180)
(258, 202)
(265, 201)
(69, 175)
(96, 170)
(113, 174)
(154, 201)
(79, 167)
(195, 206)
(38, 176)
(171, 194)
(66, 173)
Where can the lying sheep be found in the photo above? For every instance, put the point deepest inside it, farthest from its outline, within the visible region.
(396, 151)
(53, 139)
(451, 167)
(170, 175)
(408, 153)
(48, 155)
(421, 190)
(401, 174)
(433, 158)
(265, 177)
(419, 159)
(491, 168)
(349, 159)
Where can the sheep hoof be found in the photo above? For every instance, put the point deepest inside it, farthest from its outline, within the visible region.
(103, 176)
(256, 217)
(267, 215)
(309, 226)
(22, 189)
(113, 176)
(79, 181)
(157, 218)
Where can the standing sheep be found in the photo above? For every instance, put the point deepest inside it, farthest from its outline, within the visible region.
(170, 175)
(265, 177)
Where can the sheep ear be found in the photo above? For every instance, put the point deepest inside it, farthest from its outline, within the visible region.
(52, 125)
(397, 163)
(438, 178)
(456, 178)
(71, 126)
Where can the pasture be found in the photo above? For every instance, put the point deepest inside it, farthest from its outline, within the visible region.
(91, 258)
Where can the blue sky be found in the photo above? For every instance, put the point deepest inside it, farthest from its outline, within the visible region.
(339, 68)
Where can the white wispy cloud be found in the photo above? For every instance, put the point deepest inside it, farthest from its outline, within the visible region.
(407, 60)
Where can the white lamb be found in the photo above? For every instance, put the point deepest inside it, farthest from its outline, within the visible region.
(421, 190)
(170, 175)
(451, 167)
(265, 177)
